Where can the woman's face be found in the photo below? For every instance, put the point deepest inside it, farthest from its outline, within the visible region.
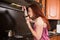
(30, 12)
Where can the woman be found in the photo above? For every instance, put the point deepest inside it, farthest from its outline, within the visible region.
(41, 24)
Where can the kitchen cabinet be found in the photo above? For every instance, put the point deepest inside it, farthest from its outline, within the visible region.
(55, 37)
(53, 9)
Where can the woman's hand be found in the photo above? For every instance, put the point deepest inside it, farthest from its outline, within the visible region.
(25, 11)
(26, 15)
(27, 20)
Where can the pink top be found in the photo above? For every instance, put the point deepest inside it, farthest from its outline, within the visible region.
(44, 34)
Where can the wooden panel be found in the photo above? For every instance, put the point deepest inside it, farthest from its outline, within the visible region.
(59, 8)
(55, 37)
(43, 6)
(58, 38)
(52, 9)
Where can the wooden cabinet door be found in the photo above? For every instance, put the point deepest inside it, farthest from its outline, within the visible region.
(53, 9)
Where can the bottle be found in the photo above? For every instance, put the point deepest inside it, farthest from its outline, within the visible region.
(10, 33)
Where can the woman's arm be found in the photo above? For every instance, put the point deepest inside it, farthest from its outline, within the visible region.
(39, 28)
(30, 27)
(28, 23)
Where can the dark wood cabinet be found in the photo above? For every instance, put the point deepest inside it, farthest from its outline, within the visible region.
(55, 37)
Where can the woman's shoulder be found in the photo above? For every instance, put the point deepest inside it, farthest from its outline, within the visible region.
(39, 19)
(41, 22)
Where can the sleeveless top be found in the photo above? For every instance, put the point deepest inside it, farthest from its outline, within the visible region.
(44, 34)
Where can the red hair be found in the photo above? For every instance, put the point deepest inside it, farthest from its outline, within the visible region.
(38, 13)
